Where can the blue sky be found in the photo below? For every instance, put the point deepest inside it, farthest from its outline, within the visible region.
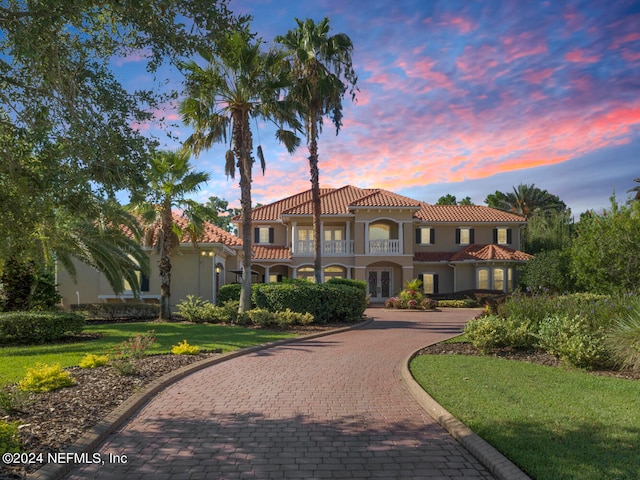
(462, 97)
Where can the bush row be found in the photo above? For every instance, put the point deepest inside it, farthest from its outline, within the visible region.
(582, 329)
(338, 300)
(38, 327)
(117, 311)
(200, 311)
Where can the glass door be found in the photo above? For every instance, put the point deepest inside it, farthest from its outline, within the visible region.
(379, 285)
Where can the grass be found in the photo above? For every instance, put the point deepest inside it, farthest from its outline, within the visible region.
(15, 360)
(555, 424)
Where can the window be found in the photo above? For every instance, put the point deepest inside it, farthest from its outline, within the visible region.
(502, 236)
(465, 236)
(379, 231)
(263, 235)
(305, 234)
(429, 283)
(483, 279)
(306, 273)
(498, 279)
(509, 280)
(425, 236)
(333, 272)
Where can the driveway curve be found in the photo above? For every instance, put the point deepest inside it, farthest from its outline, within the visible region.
(330, 407)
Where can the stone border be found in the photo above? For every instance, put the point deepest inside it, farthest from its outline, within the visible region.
(491, 458)
(91, 440)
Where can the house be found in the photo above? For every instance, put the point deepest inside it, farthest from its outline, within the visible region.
(368, 234)
(387, 239)
(197, 269)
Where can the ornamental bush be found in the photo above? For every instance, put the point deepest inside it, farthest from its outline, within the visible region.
(38, 327)
(91, 360)
(624, 339)
(575, 340)
(491, 331)
(183, 348)
(45, 378)
(194, 309)
(326, 302)
(9, 439)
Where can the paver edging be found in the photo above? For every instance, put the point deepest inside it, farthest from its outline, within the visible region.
(490, 457)
(96, 436)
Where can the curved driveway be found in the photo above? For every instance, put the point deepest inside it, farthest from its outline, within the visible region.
(330, 407)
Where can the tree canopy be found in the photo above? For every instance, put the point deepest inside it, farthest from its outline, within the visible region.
(525, 200)
(449, 199)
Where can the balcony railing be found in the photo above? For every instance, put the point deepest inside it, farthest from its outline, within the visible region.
(331, 247)
(384, 247)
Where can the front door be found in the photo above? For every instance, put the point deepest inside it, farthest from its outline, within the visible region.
(379, 285)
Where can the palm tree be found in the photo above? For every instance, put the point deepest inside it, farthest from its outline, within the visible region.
(322, 73)
(238, 84)
(526, 200)
(170, 182)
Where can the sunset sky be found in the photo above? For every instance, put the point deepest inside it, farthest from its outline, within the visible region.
(464, 97)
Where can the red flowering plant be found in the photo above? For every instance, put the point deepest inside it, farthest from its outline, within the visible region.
(135, 348)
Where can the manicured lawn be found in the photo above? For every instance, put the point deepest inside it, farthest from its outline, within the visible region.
(15, 360)
(555, 424)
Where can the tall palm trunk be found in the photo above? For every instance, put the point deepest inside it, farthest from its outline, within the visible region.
(315, 200)
(165, 262)
(243, 143)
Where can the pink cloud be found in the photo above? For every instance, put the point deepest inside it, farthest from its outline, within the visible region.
(522, 45)
(538, 76)
(580, 56)
(463, 24)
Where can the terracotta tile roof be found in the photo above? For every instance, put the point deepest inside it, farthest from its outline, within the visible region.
(490, 252)
(268, 252)
(332, 201)
(478, 252)
(211, 234)
(465, 213)
(341, 201)
(273, 211)
(432, 256)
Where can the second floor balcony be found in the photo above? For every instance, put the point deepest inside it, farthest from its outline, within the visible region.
(330, 248)
(384, 247)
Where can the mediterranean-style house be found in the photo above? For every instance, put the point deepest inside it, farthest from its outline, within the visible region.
(387, 239)
(368, 234)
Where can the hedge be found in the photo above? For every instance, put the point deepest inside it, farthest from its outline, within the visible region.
(328, 302)
(38, 327)
(117, 311)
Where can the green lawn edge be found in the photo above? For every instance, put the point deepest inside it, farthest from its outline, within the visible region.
(15, 360)
(553, 423)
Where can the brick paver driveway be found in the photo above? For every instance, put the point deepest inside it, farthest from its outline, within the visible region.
(331, 407)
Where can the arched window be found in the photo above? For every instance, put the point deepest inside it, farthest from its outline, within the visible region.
(379, 231)
(483, 279)
(306, 273)
(334, 272)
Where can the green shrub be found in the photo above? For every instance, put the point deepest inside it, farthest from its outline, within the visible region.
(289, 318)
(118, 311)
(45, 378)
(361, 284)
(624, 339)
(38, 327)
(326, 302)
(229, 292)
(575, 340)
(197, 310)
(462, 303)
(492, 331)
(91, 360)
(13, 400)
(262, 317)
(9, 439)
